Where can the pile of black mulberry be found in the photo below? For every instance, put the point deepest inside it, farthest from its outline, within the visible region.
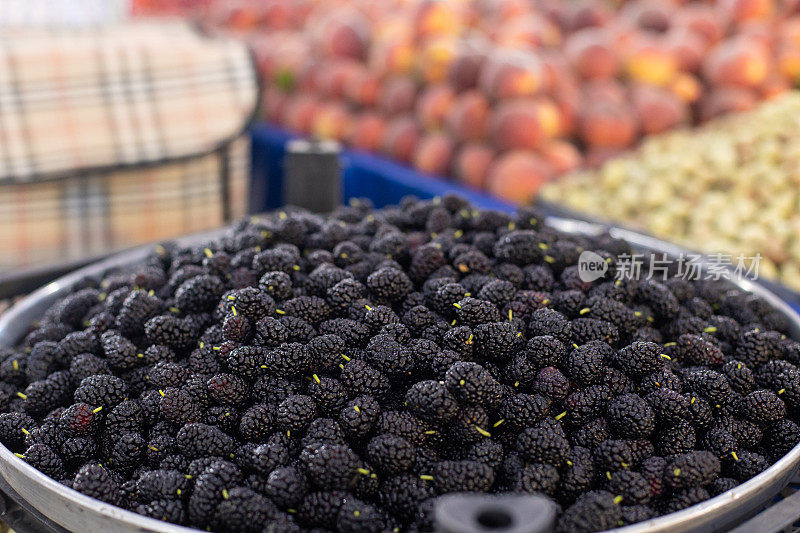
(341, 372)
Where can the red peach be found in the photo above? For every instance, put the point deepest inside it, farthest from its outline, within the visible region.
(688, 48)
(471, 165)
(597, 156)
(789, 31)
(590, 54)
(562, 155)
(737, 62)
(557, 72)
(587, 13)
(433, 105)
(433, 154)
(468, 117)
(514, 125)
(435, 59)
(773, 86)
(504, 10)
(436, 18)
(724, 100)
(549, 116)
(652, 63)
(568, 100)
(278, 14)
(400, 138)
(708, 21)
(345, 33)
(275, 102)
(607, 125)
(789, 62)
(367, 132)
(393, 56)
(335, 75)
(658, 109)
(511, 75)
(528, 31)
(397, 95)
(686, 87)
(300, 112)
(363, 88)
(605, 90)
(759, 32)
(649, 15)
(744, 10)
(517, 176)
(332, 121)
(465, 69)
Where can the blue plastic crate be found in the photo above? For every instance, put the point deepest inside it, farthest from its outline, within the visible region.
(364, 175)
(384, 182)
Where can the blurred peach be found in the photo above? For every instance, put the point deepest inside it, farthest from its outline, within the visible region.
(465, 69)
(590, 54)
(397, 95)
(275, 102)
(737, 62)
(331, 121)
(789, 31)
(504, 10)
(511, 75)
(558, 73)
(517, 176)
(562, 155)
(434, 18)
(759, 32)
(773, 86)
(686, 87)
(468, 117)
(278, 14)
(649, 15)
(344, 33)
(299, 113)
(724, 100)
(607, 125)
(658, 109)
(567, 100)
(530, 30)
(435, 58)
(549, 116)
(471, 164)
(367, 132)
(596, 156)
(689, 48)
(706, 20)
(605, 91)
(652, 63)
(744, 10)
(334, 75)
(363, 87)
(587, 13)
(515, 125)
(433, 153)
(788, 59)
(433, 105)
(400, 138)
(394, 56)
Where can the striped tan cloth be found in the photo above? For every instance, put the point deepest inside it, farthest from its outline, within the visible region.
(117, 136)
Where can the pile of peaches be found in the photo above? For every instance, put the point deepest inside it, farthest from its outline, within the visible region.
(505, 95)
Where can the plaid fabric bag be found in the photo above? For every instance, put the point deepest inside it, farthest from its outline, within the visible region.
(118, 136)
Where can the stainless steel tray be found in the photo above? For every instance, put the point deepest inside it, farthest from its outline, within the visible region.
(77, 512)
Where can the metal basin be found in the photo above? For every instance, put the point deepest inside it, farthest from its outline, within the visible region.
(77, 512)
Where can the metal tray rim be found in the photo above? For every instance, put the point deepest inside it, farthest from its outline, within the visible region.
(754, 492)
